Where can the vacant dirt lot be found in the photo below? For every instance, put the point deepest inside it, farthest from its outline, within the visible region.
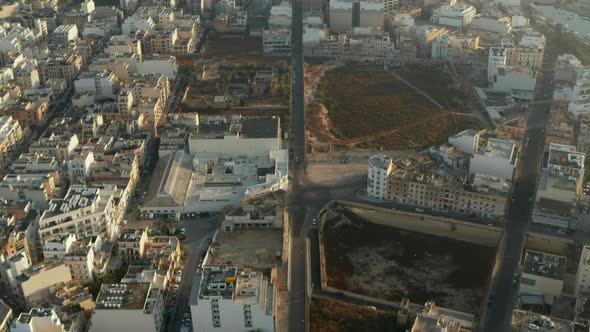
(369, 108)
(392, 263)
(233, 47)
(333, 316)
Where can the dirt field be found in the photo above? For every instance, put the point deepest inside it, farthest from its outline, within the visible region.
(367, 107)
(233, 47)
(391, 263)
(333, 316)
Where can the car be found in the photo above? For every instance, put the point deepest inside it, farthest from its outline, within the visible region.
(371, 307)
(314, 222)
(175, 287)
(182, 231)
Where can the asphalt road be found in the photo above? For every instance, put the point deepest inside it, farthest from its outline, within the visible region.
(297, 298)
(503, 290)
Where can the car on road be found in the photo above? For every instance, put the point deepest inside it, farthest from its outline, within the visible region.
(371, 307)
(314, 222)
(182, 231)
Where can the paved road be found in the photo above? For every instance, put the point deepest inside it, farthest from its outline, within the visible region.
(297, 306)
(503, 291)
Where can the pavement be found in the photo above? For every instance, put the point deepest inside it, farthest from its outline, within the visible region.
(497, 313)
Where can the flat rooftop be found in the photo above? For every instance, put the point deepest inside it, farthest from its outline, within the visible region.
(255, 248)
(245, 127)
(544, 264)
(498, 148)
(218, 281)
(524, 321)
(130, 296)
(78, 197)
(566, 156)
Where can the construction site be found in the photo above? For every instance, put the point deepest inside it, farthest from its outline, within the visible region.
(383, 258)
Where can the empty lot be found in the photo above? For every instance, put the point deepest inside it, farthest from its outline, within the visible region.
(392, 263)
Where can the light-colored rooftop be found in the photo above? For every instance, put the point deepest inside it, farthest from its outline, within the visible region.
(131, 296)
(498, 148)
(255, 248)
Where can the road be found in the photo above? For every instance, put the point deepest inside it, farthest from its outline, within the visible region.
(503, 292)
(297, 298)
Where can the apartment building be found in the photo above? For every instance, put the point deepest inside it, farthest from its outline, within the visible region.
(26, 74)
(80, 260)
(11, 137)
(36, 188)
(439, 179)
(56, 246)
(128, 307)
(580, 100)
(583, 273)
(65, 319)
(5, 316)
(232, 300)
(347, 14)
(63, 34)
(380, 168)
(83, 211)
(559, 188)
(276, 42)
(542, 274)
(101, 84)
(458, 16)
(65, 67)
(56, 145)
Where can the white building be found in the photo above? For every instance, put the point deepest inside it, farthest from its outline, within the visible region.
(583, 274)
(56, 247)
(466, 141)
(59, 146)
(235, 135)
(134, 23)
(280, 16)
(519, 82)
(496, 59)
(580, 101)
(11, 136)
(459, 16)
(11, 267)
(102, 84)
(348, 14)
(128, 307)
(557, 197)
(542, 274)
(232, 301)
(380, 166)
(65, 33)
(49, 319)
(497, 160)
(34, 188)
(566, 68)
(84, 211)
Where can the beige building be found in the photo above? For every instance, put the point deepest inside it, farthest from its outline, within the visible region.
(11, 137)
(35, 282)
(542, 274)
(439, 180)
(80, 260)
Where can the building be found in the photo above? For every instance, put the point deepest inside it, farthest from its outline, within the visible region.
(458, 16)
(542, 273)
(276, 42)
(347, 14)
(83, 211)
(232, 300)
(64, 319)
(529, 321)
(36, 188)
(11, 137)
(583, 274)
(65, 33)
(566, 68)
(80, 260)
(435, 318)
(519, 82)
(580, 101)
(128, 307)
(102, 84)
(466, 141)
(380, 167)
(34, 282)
(61, 146)
(490, 29)
(56, 247)
(498, 159)
(5, 316)
(439, 180)
(235, 135)
(559, 187)
(497, 58)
